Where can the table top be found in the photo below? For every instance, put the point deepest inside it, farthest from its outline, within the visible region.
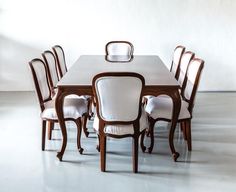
(87, 66)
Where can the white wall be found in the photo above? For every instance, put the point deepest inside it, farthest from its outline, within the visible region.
(207, 27)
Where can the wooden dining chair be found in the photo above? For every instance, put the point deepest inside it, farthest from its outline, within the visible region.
(184, 62)
(74, 109)
(178, 52)
(175, 66)
(119, 48)
(62, 69)
(160, 108)
(60, 59)
(51, 66)
(119, 111)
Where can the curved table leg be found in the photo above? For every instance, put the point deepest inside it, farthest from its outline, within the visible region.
(176, 109)
(59, 109)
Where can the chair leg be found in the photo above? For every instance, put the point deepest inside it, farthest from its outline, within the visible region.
(98, 145)
(188, 133)
(50, 128)
(183, 128)
(44, 125)
(84, 119)
(142, 141)
(151, 131)
(103, 152)
(78, 123)
(135, 154)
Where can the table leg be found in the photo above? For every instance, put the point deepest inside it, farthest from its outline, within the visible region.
(59, 109)
(176, 109)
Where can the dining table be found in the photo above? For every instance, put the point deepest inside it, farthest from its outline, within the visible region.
(158, 81)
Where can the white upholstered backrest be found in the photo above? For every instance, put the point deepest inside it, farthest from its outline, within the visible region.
(61, 62)
(119, 48)
(39, 72)
(184, 62)
(193, 73)
(52, 66)
(178, 52)
(118, 97)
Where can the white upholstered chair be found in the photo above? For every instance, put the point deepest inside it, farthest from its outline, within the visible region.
(51, 65)
(62, 69)
(119, 111)
(74, 109)
(178, 52)
(160, 108)
(60, 58)
(119, 48)
(175, 66)
(184, 62)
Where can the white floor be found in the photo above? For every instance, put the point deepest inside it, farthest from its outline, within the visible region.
(211, 166)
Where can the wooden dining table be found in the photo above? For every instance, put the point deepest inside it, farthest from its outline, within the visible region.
(158, 80)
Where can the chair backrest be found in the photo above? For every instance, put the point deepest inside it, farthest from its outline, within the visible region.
(178, 52)
(60, 58)
(119, 48)
(39, 72)
(51, 65)
(184, 62)
(191, 81)
(118, 97)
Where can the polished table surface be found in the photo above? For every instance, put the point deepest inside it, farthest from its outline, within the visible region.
(87, 66)
(158, 80)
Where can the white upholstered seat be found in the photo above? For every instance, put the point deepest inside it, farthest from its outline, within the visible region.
(122, 129)
(161, 108)
(73, 108)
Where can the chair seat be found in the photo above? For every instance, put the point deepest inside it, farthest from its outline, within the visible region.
(72, 95)
(122, 129)
(161, 108)
(73, 108)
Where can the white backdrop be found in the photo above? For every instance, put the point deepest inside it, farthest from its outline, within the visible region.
(207, 27)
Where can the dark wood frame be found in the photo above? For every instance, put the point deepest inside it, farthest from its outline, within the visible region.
(127, 42)
(178, 64)
(102, 123)
(42, 107)
(184, 123)
(57, 59)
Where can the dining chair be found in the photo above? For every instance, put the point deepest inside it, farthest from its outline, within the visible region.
(60, 59)
(51, 66)
(178, 52)
(74, 109)
(184, 62)
(160, 108)
(62, 69)
(175, 66)
(119, 48)
(119, 111)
